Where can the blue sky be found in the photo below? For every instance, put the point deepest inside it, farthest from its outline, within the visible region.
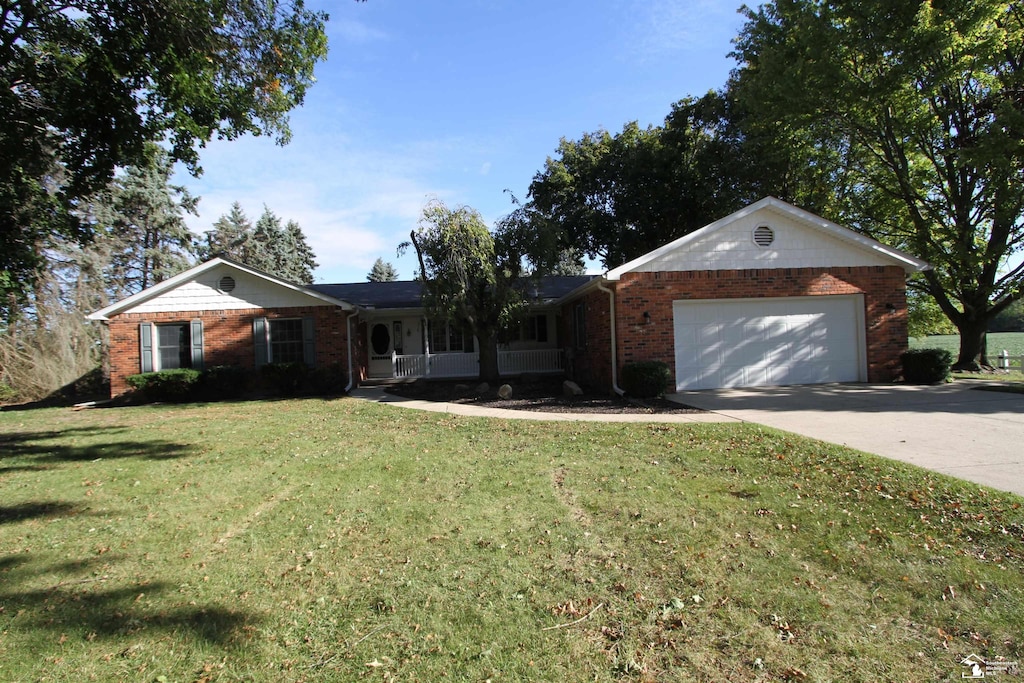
(458, 100)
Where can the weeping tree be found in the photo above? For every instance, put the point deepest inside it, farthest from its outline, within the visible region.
(468, 277)
(924, 102)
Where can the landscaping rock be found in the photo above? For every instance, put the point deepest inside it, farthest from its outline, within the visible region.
(461, 389)
(570, 388)
(505, 392)
(482, 388)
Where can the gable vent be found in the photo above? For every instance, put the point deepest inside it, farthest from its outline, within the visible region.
(226, 284)
(763, 236)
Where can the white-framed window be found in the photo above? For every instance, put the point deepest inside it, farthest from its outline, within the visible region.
(284, 340)
(170, 346)
(446, 337)
(174, 346)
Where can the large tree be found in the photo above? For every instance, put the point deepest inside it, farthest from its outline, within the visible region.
(85, 84)
(281, 250)
(227, 236)
(923, 101)
(468, 277)
(618, 196)
(140, 225)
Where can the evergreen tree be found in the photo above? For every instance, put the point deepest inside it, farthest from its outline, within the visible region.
(268, 246)
(382, 271)
(141, 226)
(302, 261)
(228, 236)
(262, 249)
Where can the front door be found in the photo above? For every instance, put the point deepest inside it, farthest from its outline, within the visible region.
(382, 347)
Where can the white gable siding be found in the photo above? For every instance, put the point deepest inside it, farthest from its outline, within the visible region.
(202, 295)
(732, 247)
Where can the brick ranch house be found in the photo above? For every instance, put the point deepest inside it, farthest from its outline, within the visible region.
(769, 295)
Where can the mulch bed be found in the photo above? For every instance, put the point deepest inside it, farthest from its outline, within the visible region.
(541, 395)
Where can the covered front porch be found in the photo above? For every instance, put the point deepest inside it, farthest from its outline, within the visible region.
(404, 346)
(455, 365)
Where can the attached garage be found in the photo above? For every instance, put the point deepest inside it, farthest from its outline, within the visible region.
(769, 342)
(770, 295)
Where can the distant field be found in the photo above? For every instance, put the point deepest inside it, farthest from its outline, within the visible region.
(997, 342)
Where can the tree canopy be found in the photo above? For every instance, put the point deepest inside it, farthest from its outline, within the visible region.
(922, 101)
(616, 197)
(86, 84)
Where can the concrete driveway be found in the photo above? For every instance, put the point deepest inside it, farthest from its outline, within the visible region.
(956, 429)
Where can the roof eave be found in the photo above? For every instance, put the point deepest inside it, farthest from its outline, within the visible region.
(145, 295)
(911, 264)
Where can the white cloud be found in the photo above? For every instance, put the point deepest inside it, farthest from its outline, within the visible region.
(665, 27)
(353, 32)
(353, 205)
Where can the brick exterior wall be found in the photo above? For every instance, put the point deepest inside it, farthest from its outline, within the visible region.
(588, 365)
(882, 287)
(227, 338)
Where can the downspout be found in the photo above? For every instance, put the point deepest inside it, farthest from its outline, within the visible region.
(351, 376)
(615, 369)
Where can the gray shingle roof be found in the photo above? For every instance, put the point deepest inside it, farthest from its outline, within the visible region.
(408, 293)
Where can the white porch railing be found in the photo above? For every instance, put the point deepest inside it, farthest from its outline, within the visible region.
(537, 360)
(453, 365)
(1008, 362)
(468, 364)
(409, 366)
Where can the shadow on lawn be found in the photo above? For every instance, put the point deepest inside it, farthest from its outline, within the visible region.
(37, 448)
(36, 510)
(86, 607)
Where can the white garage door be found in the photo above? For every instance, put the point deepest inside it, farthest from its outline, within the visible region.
(769, 342)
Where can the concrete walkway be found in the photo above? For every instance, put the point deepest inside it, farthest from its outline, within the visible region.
(953, 428)
(378, 395)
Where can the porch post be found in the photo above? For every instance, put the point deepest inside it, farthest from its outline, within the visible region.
(426, 348)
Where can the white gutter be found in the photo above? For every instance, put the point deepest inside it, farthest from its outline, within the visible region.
(615, 369)
(348, 324)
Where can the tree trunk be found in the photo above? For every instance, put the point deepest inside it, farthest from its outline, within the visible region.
(973, 337)
(489, 358)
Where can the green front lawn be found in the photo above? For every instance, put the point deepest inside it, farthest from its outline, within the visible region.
(313, 540)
